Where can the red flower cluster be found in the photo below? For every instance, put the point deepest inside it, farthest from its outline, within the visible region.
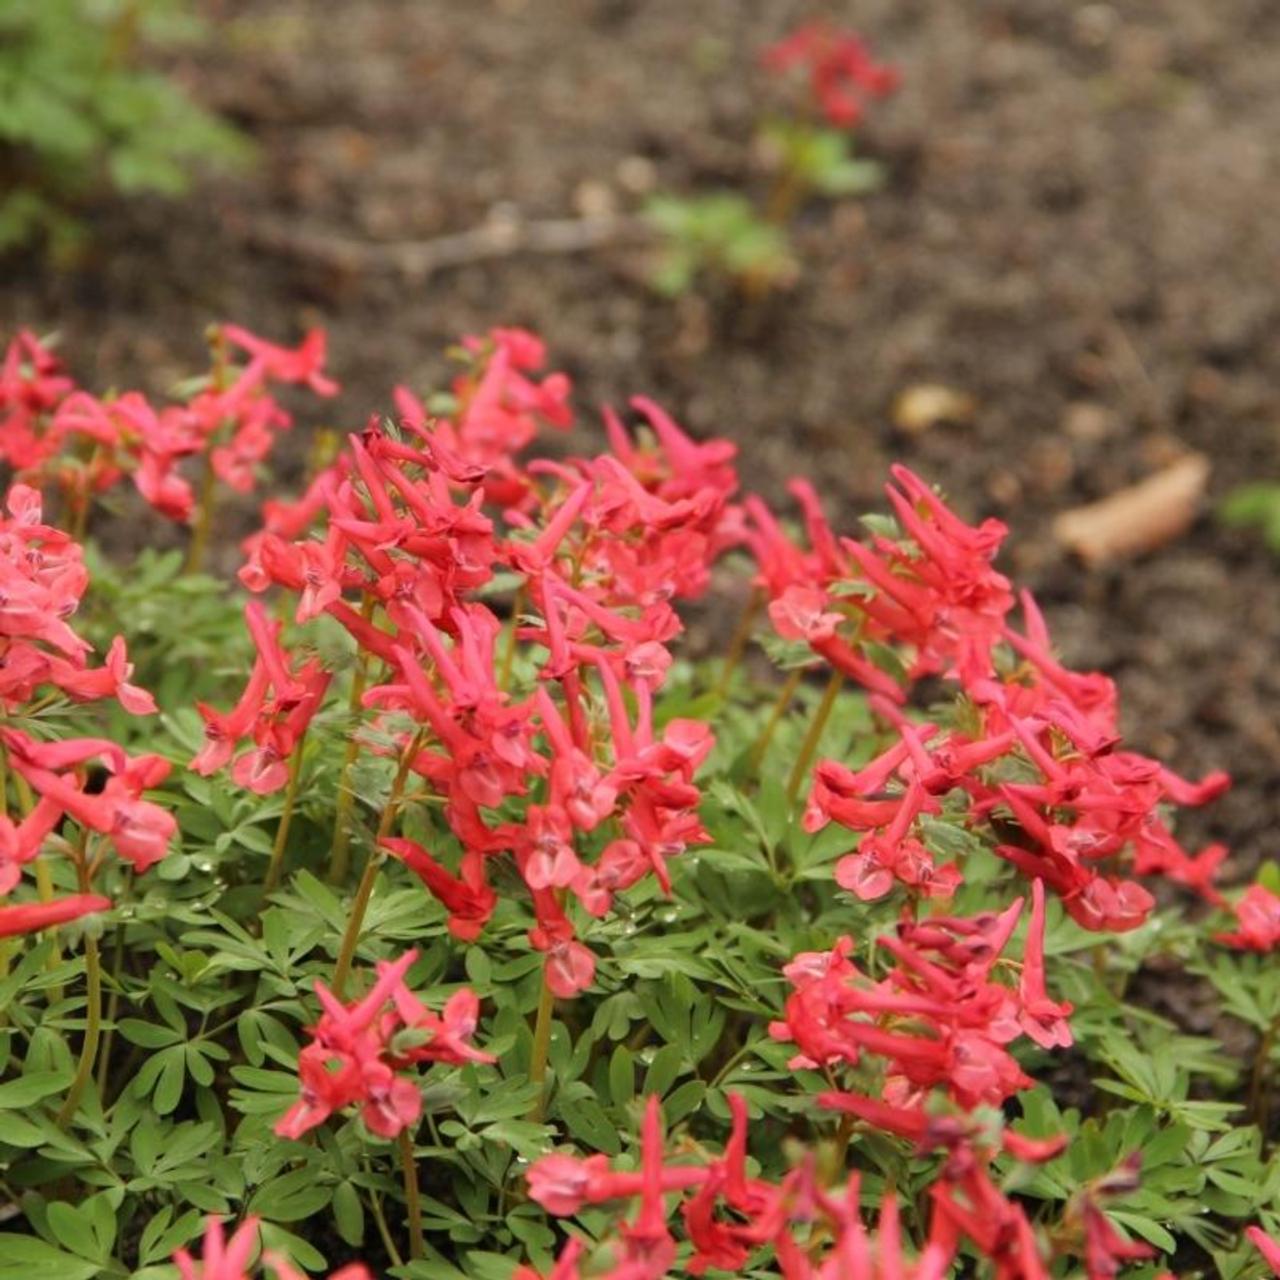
(936, 1019)
(232, 1259)
(1031, 749)
(360, 1052)
(42, 579)
(843, 76)
(53, 432)
(496, 411)
(275, 710)
(818, 1234)
(600, 547)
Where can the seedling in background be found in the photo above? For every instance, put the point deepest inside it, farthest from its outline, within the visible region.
(812, 148)
(809, 152)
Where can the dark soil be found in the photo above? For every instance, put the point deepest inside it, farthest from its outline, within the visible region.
(1077, 230)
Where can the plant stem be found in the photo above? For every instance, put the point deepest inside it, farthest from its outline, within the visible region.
(1258, 1100)
(93, 1015)
(509, 654)
(783, 197)
(843, 1134)
(351, 938)
(785, 694)
(204, 519)
(45, 892)
(380, 1219)
(541, 1047)
(741, 635)
(340, 853)
(276, 866)
(113, 1007)
(809, 748)
(412, 1200)
(79, 518)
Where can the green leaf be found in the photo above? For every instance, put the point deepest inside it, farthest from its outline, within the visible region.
(348, 1213)
(291, 1197)
(72, 1228)
(147, 1034)
(31, 1088)
(589, 1124)
(622, 1076)
(27, 1258)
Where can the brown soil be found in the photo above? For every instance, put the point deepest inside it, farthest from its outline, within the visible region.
(1076, 230)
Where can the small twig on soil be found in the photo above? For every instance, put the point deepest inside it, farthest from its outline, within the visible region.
(418, 259)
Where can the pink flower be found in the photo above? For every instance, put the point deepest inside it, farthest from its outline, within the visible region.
(31, 917)
(1258, 915)
(359, 1053)
(1266, 1245)
(842, 74)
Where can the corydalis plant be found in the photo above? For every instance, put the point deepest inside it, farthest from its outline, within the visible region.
(808, 147)
(815, 946)
(60, 436)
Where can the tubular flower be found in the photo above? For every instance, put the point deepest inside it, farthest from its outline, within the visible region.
(1258, 918)
(1265, 1245)
(935, 1021)
(31, 917)
(360, 1053)
(232, 1259)
(45, 420)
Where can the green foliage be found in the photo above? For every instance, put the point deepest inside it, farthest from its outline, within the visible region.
(78, 112)
(1255, 506)
(716, 235)
(210, 999)
(821, 160)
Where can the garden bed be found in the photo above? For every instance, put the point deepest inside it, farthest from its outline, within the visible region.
(1072, 231)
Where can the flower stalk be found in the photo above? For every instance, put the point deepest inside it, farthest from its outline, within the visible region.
(809, 748)
(412, 1196)
(364, 891)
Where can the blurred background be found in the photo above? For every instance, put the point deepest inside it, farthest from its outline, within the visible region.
(1066, 281)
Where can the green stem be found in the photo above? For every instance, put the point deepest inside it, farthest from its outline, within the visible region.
(843, 1135)
(340, 853)
(92, 1031)
(809, 748)
(541, 1047)
(785, 695)
(412, 1200)
(380, 1219)
(45, 892)
(1258, 1100)
(351, 937)
(276, 866)
(204, 519)
(509, 654)
(741, 636)
(79, 517)
(113, 1008)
